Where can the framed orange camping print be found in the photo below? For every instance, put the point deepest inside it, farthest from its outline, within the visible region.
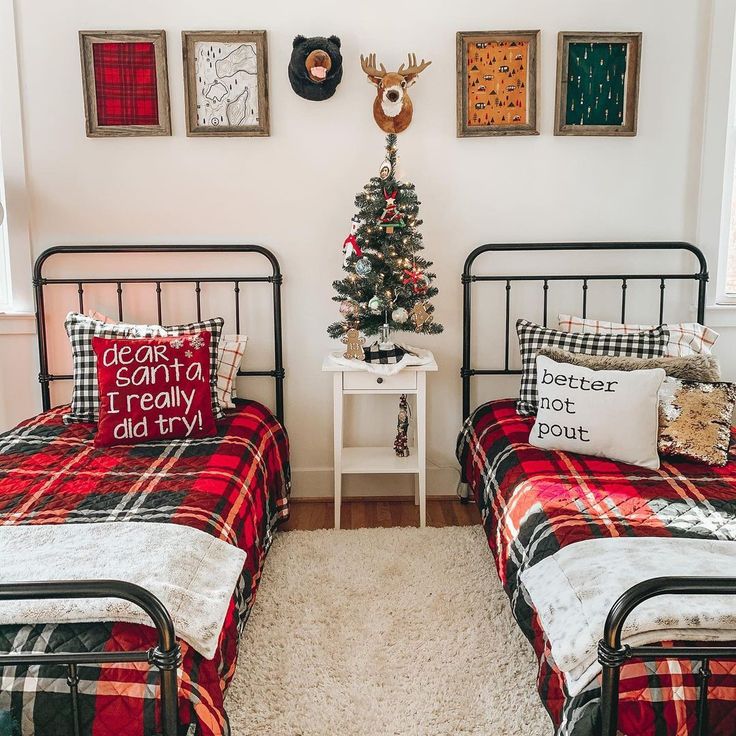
(497, 83)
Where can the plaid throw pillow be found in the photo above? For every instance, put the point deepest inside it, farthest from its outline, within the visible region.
(232, 349)
(81, 329)
(229, 357)
(532, 337)
(686, 338)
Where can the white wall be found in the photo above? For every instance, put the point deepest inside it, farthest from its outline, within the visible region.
(294, 191)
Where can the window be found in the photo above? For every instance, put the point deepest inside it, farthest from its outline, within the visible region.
(5, 290)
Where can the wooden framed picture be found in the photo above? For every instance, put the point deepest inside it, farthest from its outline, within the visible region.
(126, 84)
(497, 83)
(597, 83)
(226, 82)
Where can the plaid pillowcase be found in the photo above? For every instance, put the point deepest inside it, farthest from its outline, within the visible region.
(532, 337)
(686, 338)
(229, 356)
(232, 349)
(81, 330)
(214, 327)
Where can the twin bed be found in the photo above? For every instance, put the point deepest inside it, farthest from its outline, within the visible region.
(103, 678)
(536, 502)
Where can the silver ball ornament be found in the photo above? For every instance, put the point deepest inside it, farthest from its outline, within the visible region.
(363, 267)
(399, 315)
(375, 304)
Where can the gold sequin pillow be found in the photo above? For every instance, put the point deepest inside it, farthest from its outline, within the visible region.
(695, 420)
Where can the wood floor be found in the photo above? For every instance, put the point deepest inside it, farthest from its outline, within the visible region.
(356, 513)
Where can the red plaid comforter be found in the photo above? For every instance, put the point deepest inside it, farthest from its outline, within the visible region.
(534, 502)
(233, 486)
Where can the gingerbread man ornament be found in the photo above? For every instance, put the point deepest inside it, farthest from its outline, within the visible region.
(354, 342)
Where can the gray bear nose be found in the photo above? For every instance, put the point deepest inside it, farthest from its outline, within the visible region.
(393, 95)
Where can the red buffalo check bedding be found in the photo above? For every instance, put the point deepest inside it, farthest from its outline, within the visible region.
(233, 486)
(534, 502)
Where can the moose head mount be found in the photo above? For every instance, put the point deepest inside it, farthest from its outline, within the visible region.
(392, 108)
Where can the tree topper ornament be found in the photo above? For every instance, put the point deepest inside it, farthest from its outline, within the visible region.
(350, 246)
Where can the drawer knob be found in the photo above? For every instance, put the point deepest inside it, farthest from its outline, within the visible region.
(379, 380)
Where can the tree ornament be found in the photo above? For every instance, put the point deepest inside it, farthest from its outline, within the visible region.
(375, 304)
(385, 171)
(363, 267)
(350, 246)
(399, 315)
(415, 279)
(390, 217)
(401, 444)
(348, 308)
(420, 316)
(354, 342)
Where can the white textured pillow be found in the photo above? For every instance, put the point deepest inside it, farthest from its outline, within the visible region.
(611, 414)
(686, 338)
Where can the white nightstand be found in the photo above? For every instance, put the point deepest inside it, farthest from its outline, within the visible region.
(410, 380)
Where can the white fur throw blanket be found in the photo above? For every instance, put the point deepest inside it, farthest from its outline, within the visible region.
(192, 573)
(574, 589)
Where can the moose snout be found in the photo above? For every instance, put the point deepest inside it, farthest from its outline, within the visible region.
(393, 95)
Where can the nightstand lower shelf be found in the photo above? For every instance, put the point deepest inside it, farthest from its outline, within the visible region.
(378, 460)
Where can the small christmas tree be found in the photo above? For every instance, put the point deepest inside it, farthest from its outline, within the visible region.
(388, 284)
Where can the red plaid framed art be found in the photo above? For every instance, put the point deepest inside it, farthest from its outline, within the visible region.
(126, 86)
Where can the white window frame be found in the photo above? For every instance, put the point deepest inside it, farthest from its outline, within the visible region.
(13, 189)
(723, 297)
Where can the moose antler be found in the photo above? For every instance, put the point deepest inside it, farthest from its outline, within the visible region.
(414, 69)
(368, 65)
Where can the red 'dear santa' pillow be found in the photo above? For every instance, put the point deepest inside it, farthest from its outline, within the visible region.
(155, 388)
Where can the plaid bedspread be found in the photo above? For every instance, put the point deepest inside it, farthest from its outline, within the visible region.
(233, 486)
(534, 502)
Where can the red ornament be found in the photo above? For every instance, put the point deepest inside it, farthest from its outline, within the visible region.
(416, 279)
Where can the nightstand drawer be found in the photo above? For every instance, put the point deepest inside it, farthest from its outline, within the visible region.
(363, 381)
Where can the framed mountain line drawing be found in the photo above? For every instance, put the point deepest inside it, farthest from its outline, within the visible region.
(497, 83)
(597, 83)
(226, 83)
(125, 83)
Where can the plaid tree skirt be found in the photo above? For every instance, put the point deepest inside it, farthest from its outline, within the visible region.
(533, 502)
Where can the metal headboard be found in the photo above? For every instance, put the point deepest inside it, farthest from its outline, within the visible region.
(468, 371)
(40, 282)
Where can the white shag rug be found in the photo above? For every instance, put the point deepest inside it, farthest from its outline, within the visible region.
(384, 632)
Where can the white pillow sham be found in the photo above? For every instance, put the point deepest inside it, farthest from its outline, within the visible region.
(610, 414)
(686, 338)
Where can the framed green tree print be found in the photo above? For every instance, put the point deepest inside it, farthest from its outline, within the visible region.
(597, 83)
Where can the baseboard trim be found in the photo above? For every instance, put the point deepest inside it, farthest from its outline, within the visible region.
(317, 484)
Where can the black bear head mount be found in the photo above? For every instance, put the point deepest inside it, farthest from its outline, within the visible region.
(315, 67)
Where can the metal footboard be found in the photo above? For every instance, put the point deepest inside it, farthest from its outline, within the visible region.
(166, 656)
(612, 654)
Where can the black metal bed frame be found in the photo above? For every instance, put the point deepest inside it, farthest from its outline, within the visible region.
(612, 654)
(166, 656)
(275, 279)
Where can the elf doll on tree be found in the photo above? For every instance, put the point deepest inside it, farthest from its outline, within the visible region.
(388, 285)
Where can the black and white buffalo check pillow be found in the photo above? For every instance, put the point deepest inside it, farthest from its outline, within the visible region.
(532, 338)
(85, 402)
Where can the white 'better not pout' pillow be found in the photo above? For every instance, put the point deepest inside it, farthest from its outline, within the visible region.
(611, 414)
